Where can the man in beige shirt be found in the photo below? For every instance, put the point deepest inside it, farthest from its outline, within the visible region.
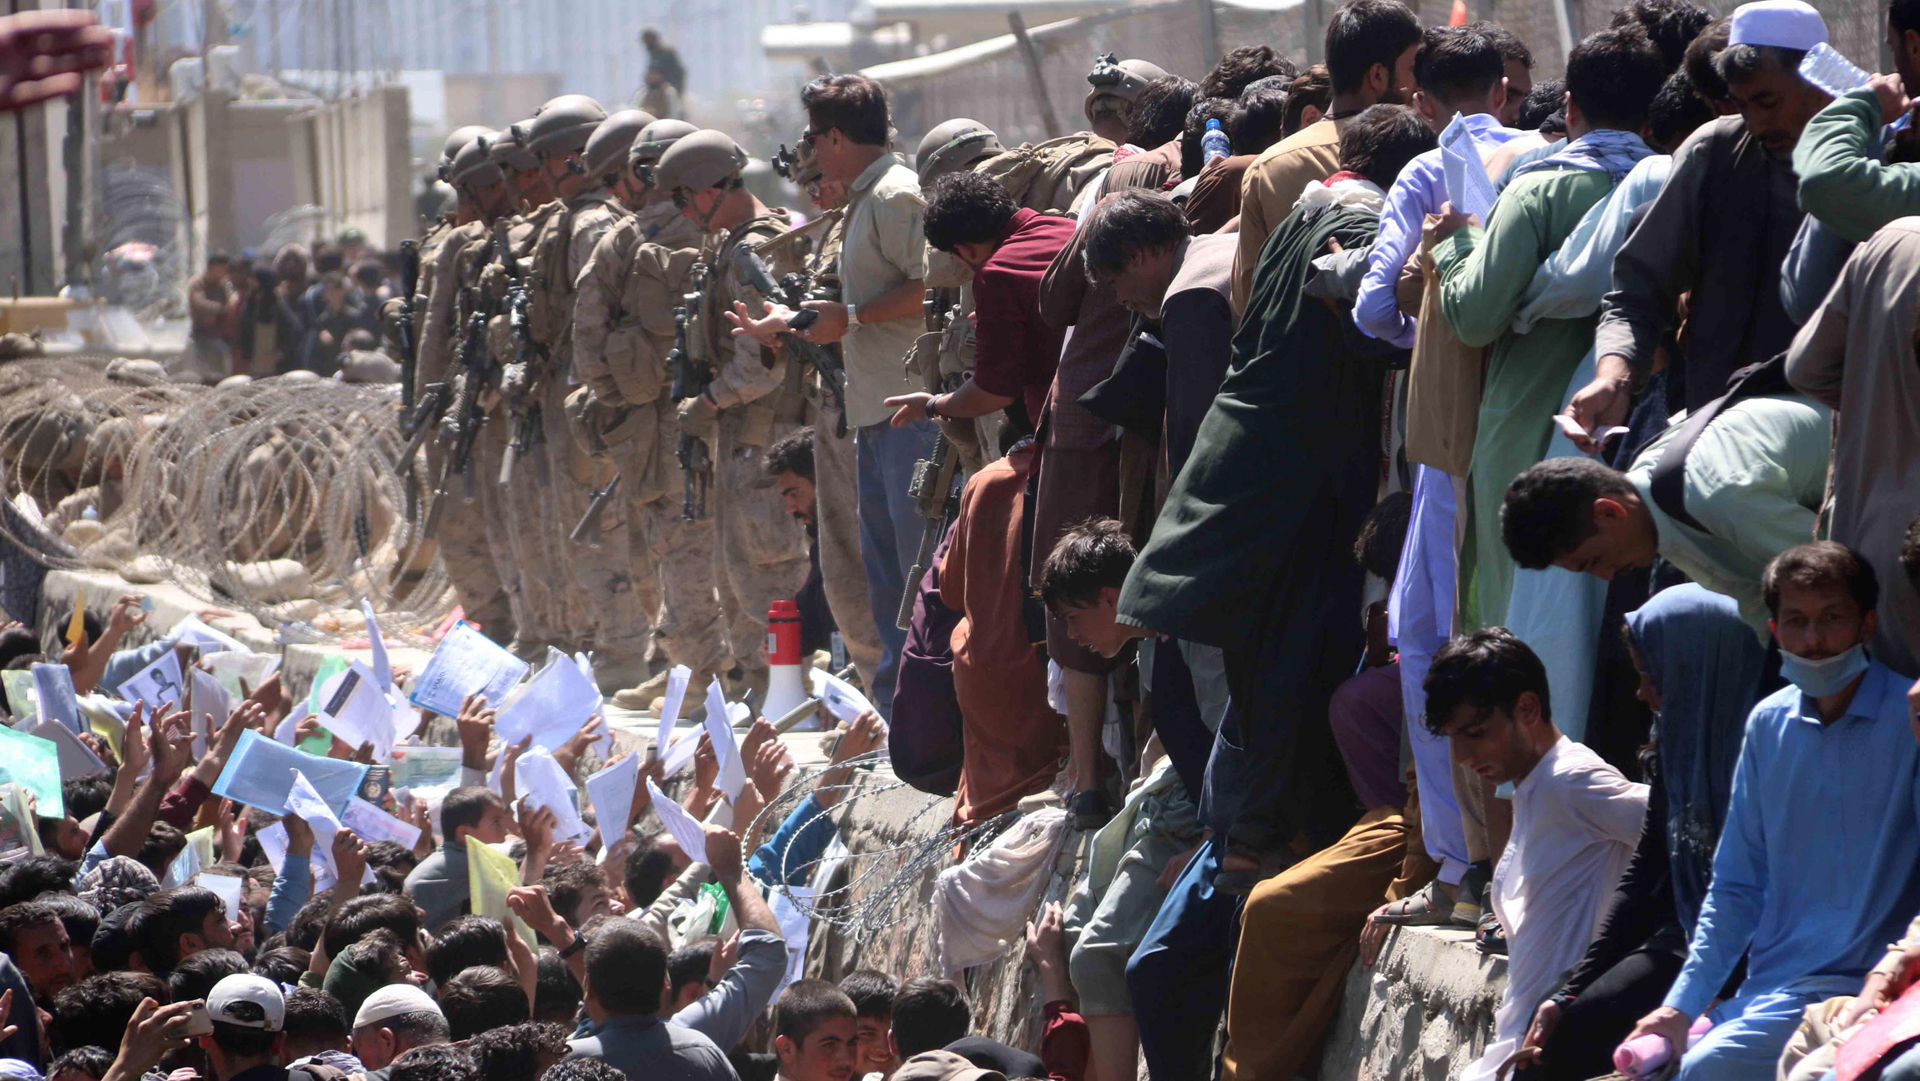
(1370, 49)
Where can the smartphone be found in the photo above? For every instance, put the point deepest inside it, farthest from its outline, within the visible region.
(199, 1022)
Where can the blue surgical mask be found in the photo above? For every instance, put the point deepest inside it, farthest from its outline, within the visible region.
(1820, 678)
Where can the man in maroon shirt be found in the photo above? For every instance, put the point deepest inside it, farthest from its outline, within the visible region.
(970, 216)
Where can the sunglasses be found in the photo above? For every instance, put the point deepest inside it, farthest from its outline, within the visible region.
(680, 199)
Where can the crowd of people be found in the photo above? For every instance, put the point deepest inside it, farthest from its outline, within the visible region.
(1388, 494)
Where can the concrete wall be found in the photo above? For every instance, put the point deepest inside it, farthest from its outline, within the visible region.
(351, 157)
(29, 154)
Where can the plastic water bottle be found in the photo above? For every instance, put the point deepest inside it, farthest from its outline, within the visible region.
(1829, 69)
(1215, 144)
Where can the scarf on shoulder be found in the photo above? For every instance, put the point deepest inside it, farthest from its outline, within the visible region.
(1614, 153)
(1343, 188)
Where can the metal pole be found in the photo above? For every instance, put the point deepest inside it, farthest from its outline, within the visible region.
(1031, 56)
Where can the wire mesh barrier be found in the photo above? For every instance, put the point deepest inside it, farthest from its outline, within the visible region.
(868, 893)
(281, 497)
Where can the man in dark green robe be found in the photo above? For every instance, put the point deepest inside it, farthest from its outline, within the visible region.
(1253, 551)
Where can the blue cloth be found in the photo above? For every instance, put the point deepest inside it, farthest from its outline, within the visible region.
(1815, 872)
(1705, 663)
(1420, 190)
(802, 838)
(1750, 1032)
(1521, 161)
(1178, 977)
(1604, 150)
(291, 889)
(725, 1012)
(1817, 256)
(124, 664)
(1419, 620)
(890, 527)
(645, 1046)
(1903, 1067)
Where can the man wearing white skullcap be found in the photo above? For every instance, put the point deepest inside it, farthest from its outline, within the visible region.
(1718, 231)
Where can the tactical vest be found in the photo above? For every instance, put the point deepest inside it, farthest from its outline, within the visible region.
(550, 279)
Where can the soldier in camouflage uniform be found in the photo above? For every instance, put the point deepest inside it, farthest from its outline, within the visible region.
(599, 584)
(754, 398)
(481, 578)
(624, 329)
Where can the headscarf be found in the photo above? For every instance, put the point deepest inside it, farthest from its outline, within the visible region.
(1706, 664)
(1604, 150)
(118, 881)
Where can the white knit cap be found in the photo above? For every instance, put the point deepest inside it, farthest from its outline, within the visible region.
(1785, 24)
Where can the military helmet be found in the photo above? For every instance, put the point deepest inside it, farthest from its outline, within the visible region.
(953, 145)
(702, 160)
(509, 148)
(607, 146)
(563, 125)
(474, 166)
(655, 138)
(1123, 79)
(460, 137)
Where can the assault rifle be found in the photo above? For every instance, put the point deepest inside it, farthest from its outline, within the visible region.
(463, 422)
(518, 383)
(691, 378)
(794, 291)
(936, 483)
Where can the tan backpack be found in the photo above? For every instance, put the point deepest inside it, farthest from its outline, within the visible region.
(1048, 175)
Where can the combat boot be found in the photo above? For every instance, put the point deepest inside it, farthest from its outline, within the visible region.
(648, 695)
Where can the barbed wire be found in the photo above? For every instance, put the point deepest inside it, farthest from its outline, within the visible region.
(280, 496)
(882, 884)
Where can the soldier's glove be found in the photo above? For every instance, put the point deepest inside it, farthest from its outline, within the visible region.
(515, 380)
(495, 280)
(697, 416)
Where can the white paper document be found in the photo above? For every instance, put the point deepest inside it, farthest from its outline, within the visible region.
(258, 774)
(53, 687)
(677, 678)
(371, 824)
(686, 832)
(733, 772)
(1468, 187)
(841, 698)
(211, 704)
(382, 668)
(76, 758)
(465, 662)
(229, 889)
(157, 684)
(539, 780)
(611, 793)
(357, 710)
(551, 706)
(241, 672)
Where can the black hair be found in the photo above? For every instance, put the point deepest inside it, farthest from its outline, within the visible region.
(929, 1014)
(1670, 24)
(1548, 509)
(17, 918)
(805, 1005)
(465, 807)
(1903, 15)
(480, 998)
(195, 976)
(241, 1041)
(1910, 552)
(1258, 118)
(434, 1062)
(417, 1028)
(1542, 105)
(1512, 49)
(1612, 76)
(16, 643)
(568, 883)
(1745, 61)
(463, 942)
(854, 105)
(1159, 113)
(85, 796)
(163, 844)
(1699, 61)
(1089, 557)
(1131, 223)
(871, 991)
(792, 453)
(1486, 670)
(218, 258)
(1677, 111)
(626, 967)
(966, 208)
(113, 943)
(167, 915)
(90, 1060)
(1819, 564)
(583, 1069)
(513, 1052)
(1383, 533)
(556, 994)
(1456, 62)
(81, 918)
(690, 962)
(328, 259)
(1380, 142)
(313, 1014)
(1193, 155)
(649, 866)
(1242, 67)
(310, 920)
(282, 964)
(35, 875)
(362, 915)
(99, 1009)
(1314, 87)
(1363, 33)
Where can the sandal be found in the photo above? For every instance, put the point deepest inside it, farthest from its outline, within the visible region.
(1429, 907)
(1489, 936)
(1470, 899)
(1088, 810)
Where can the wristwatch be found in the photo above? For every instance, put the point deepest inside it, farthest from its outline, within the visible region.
(933, 413)
(853, 318)
(579, 943)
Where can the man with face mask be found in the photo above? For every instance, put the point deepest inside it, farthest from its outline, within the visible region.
(1816, 868)
(1718, 232)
